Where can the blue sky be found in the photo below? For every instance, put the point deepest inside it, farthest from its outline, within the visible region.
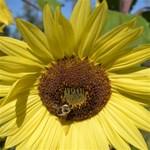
(16, 6)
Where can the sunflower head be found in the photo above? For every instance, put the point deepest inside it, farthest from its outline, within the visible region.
(78, 84)
(73, 87)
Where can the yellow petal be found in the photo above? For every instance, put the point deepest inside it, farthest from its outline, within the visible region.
(74, 140)
(96, 48)
(138, 114)
(126, 71)
(5, 15)
(4, 89)
(1, 100)
(13, 114)
(15, 47)
(2, 26)
(43, 136)
(22, 145)
(19, 87)
(7, 78)
(9, 128)
(134, 57)
(70, 140)
(59, 33)
(35, 39)
(98, 133)
(38, 131)
(139, 87)
(34, 118)
(138, 74)
(115, 140)
(29, 143)
(80, 15)
(66, 33)
(141, 99)
(113, 47)
(138, 83)
(92, 30)
(88, 141)
(16, 64)
(51, 31)
(50, 136)
(124, 127)
(54, 133)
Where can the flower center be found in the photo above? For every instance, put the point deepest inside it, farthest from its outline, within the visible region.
(75, 96)
(74, 89)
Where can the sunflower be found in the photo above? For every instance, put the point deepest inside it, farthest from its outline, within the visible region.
(6, 17)
(74, 87)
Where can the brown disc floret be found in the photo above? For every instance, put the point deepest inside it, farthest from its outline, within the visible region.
(74, 89)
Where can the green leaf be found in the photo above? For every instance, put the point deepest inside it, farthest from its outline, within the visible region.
(115, 18)
(53, 4)
(134, 148)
